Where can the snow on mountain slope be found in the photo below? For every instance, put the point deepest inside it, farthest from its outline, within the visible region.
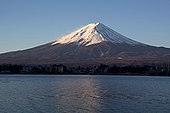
(95, 33)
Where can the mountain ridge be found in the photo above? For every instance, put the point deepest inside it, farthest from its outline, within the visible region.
(92, 44)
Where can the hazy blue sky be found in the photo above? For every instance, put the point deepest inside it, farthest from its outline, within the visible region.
(28, 23)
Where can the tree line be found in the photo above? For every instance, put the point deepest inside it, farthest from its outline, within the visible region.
(149, 69)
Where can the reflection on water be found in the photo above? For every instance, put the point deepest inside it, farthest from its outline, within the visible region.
(76, 96)
(84, 94)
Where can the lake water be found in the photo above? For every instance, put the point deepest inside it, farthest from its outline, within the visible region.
(84, 94)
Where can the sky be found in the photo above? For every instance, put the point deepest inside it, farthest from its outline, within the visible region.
(29, 23)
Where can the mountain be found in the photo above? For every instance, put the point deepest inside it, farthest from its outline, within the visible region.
(92, 44)
(93, 34)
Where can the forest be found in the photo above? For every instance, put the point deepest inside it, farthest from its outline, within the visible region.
(102, 69)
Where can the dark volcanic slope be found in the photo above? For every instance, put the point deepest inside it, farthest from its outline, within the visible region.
(104, 52)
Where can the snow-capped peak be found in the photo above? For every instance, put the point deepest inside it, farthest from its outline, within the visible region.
(94, 33)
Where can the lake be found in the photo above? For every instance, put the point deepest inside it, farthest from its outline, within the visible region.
(84, 94)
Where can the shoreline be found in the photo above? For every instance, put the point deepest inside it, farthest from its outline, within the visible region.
(53, 75)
